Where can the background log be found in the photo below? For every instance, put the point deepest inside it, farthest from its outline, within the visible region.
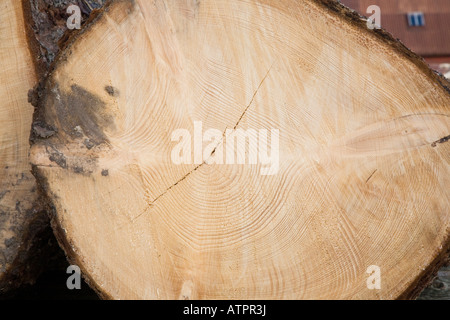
(29, 34)
(23, 224)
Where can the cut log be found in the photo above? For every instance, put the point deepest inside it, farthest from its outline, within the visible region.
(24, 227)
(355, 191)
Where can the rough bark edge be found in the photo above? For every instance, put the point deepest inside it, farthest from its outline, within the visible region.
(427, 276)
(71, 36)
(333, 6)
(33, 44)
(64, 243)
(41, 68)
(440, 288)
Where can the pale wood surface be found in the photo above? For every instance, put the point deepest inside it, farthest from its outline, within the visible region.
(362, 180)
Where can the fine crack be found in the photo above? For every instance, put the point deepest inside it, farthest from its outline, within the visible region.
(176, 183)
(212, 153)
(371, 175)
(440, 141)
(422, 114)
(168, 189)
(254, 96)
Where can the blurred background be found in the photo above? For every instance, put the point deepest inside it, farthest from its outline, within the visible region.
(422, 25)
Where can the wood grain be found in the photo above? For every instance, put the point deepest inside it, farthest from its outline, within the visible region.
(363, 171)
